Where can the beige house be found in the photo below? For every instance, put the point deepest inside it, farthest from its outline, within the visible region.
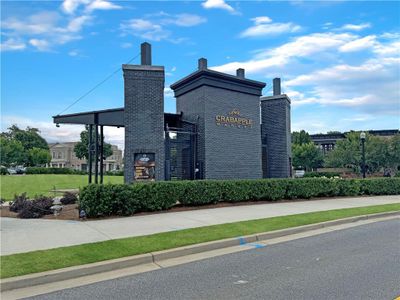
(63, 156)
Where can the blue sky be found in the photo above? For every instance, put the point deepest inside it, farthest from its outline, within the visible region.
(339, 61)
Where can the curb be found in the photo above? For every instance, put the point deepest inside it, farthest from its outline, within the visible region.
(154, 257)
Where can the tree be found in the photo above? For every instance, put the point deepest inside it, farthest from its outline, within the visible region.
(23, 147)
(307, 156)
(12, 152)
(38, 156)
(81, 148)
(300, 137)
(394, 152)
(347, 153)
(29, 138)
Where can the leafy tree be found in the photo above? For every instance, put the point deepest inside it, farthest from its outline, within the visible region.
(394, 152)
(12, 152)
(23, 147)
(81, 148)
(300, 137)
(347, 153)
(38, 156)
(29, 138)
(307, 156)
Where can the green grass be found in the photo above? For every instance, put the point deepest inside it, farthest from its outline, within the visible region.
(43, 183)
(44, 260)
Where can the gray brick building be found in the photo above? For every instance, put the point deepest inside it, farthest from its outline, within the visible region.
(223, 127)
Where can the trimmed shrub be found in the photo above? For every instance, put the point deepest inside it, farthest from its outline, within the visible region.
(380, 186)
(40, 170)
(69, 198)
(3, 171)
(119, 199)
(114, 173)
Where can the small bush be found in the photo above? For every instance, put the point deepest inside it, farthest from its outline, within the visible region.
(19, 202)
(69, 198)
(3, 171)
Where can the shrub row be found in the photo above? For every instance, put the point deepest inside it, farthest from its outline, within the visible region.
(119, 199)
(39, 170)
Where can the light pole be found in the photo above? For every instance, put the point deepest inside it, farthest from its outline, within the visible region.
(362, 137)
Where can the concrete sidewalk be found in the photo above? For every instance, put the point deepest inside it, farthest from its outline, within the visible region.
(18, 235)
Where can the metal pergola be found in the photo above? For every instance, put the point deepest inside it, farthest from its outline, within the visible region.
(96, 120)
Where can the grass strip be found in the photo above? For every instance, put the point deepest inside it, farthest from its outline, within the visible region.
(52, 259)
(37, 184)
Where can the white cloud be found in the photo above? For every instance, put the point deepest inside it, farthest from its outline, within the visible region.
(261, 20)
(371, 86)
(71, 6)
(45, 29)
(168, 92)
(220, 4)
(102, 5)
(40, 23)
(152, 27)
(76, 24)
(355, 27)
(302, 46)
(263, 26)
(12, 45)
(145, 29)
(41, 45)
(187, 20)
(359, 44)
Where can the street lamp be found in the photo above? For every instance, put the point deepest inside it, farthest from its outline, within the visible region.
(362, 137)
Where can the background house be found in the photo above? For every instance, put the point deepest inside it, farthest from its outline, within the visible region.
(63, 156)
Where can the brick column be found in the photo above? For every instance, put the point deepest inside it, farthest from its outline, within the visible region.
(144, 116)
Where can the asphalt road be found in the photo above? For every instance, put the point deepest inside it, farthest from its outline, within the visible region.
(357, 263)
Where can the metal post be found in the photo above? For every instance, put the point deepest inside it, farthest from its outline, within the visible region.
(363, 157)
(96, 159)
(101, 153)
(90, 152)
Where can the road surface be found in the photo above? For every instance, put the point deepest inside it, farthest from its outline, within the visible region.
(362, 262)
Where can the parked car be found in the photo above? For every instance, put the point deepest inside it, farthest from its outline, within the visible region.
(16, 170)
(299, 173)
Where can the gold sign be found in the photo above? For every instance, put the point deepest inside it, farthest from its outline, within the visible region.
(233, 119)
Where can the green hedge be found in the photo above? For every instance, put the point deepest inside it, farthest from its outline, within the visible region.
(120, 199)
(39, 170)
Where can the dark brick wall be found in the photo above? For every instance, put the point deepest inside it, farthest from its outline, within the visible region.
(228, 152)
(144, 116)
(275, 128)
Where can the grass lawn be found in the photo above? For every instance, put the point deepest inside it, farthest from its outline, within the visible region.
(43, 183)
(44, 260)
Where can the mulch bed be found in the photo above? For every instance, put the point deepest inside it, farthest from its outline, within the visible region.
(69, 212)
